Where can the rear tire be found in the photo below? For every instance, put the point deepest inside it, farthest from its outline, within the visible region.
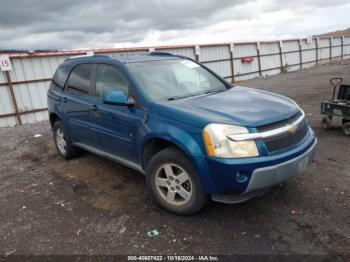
(326, 122)
(63, 143)
(173, 182)
(346, 128)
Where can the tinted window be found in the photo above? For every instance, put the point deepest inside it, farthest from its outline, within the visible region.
(60, 76)
(110, 78)
(79, 79)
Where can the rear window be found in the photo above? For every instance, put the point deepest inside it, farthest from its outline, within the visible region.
(79, 79)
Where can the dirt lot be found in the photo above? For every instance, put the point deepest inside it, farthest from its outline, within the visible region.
(94, 206)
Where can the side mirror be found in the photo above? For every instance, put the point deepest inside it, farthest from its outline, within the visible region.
(118, 97)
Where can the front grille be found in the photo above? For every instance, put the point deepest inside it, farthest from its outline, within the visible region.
(285, 140)
(281, 123)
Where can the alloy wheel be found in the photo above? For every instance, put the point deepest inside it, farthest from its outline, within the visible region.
(173, 184)
(60, 141)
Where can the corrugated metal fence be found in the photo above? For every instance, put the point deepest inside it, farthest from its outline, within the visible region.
(23, 90)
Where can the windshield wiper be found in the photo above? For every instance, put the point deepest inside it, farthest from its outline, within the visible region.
(194, 94)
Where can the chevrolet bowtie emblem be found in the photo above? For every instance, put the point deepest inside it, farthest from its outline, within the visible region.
(292, 128)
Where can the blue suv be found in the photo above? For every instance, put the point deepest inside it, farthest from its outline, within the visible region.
(191, 133)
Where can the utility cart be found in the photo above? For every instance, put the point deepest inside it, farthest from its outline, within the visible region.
(338, 106)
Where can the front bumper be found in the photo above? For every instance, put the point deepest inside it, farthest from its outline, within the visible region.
(220, 176)
(274, 175)
(264, 178)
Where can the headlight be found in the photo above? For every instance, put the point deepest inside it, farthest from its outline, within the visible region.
(218, 145)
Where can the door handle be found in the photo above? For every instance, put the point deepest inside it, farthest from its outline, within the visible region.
(65, 100)
(94, 108)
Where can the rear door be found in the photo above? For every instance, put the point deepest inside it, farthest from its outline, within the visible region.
(114, 126)
(77, 104)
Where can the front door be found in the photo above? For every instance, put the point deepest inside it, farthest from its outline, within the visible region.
(114, 126)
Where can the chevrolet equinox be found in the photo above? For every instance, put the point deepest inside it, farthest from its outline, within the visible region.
(194, 135)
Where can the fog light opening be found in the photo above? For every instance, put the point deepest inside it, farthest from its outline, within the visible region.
(241, 177)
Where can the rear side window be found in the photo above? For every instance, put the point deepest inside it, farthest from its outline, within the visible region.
(79, 79)
(60, 76)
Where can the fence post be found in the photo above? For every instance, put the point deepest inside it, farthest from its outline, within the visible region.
(258, 53)
(300, 54)
(197, 52)
(330, 49)
(317, 40)
(13, 97)
(231, 47)
(342, 48)
(281, 59)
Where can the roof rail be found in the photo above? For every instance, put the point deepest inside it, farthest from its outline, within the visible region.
(88, 54)
(170, 54)
(160, 53)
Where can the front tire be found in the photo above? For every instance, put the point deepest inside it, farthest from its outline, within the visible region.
(63, 143)
(173, 183)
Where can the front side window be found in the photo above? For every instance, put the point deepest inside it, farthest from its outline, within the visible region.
(109, 78)
(79, 79)
(174, 79)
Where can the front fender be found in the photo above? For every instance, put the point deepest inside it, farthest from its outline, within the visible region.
(174, 135)
(185, 137)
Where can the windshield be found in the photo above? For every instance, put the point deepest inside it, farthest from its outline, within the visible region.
(175, 79)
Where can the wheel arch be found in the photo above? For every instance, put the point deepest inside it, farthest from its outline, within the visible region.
(175, 137)
(53, 117)
(153, 145)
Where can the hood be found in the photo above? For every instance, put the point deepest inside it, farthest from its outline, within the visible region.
(239, 106)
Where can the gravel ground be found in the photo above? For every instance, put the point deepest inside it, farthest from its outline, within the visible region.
(94, 206)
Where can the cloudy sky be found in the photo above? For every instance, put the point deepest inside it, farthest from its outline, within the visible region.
(67, 24)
